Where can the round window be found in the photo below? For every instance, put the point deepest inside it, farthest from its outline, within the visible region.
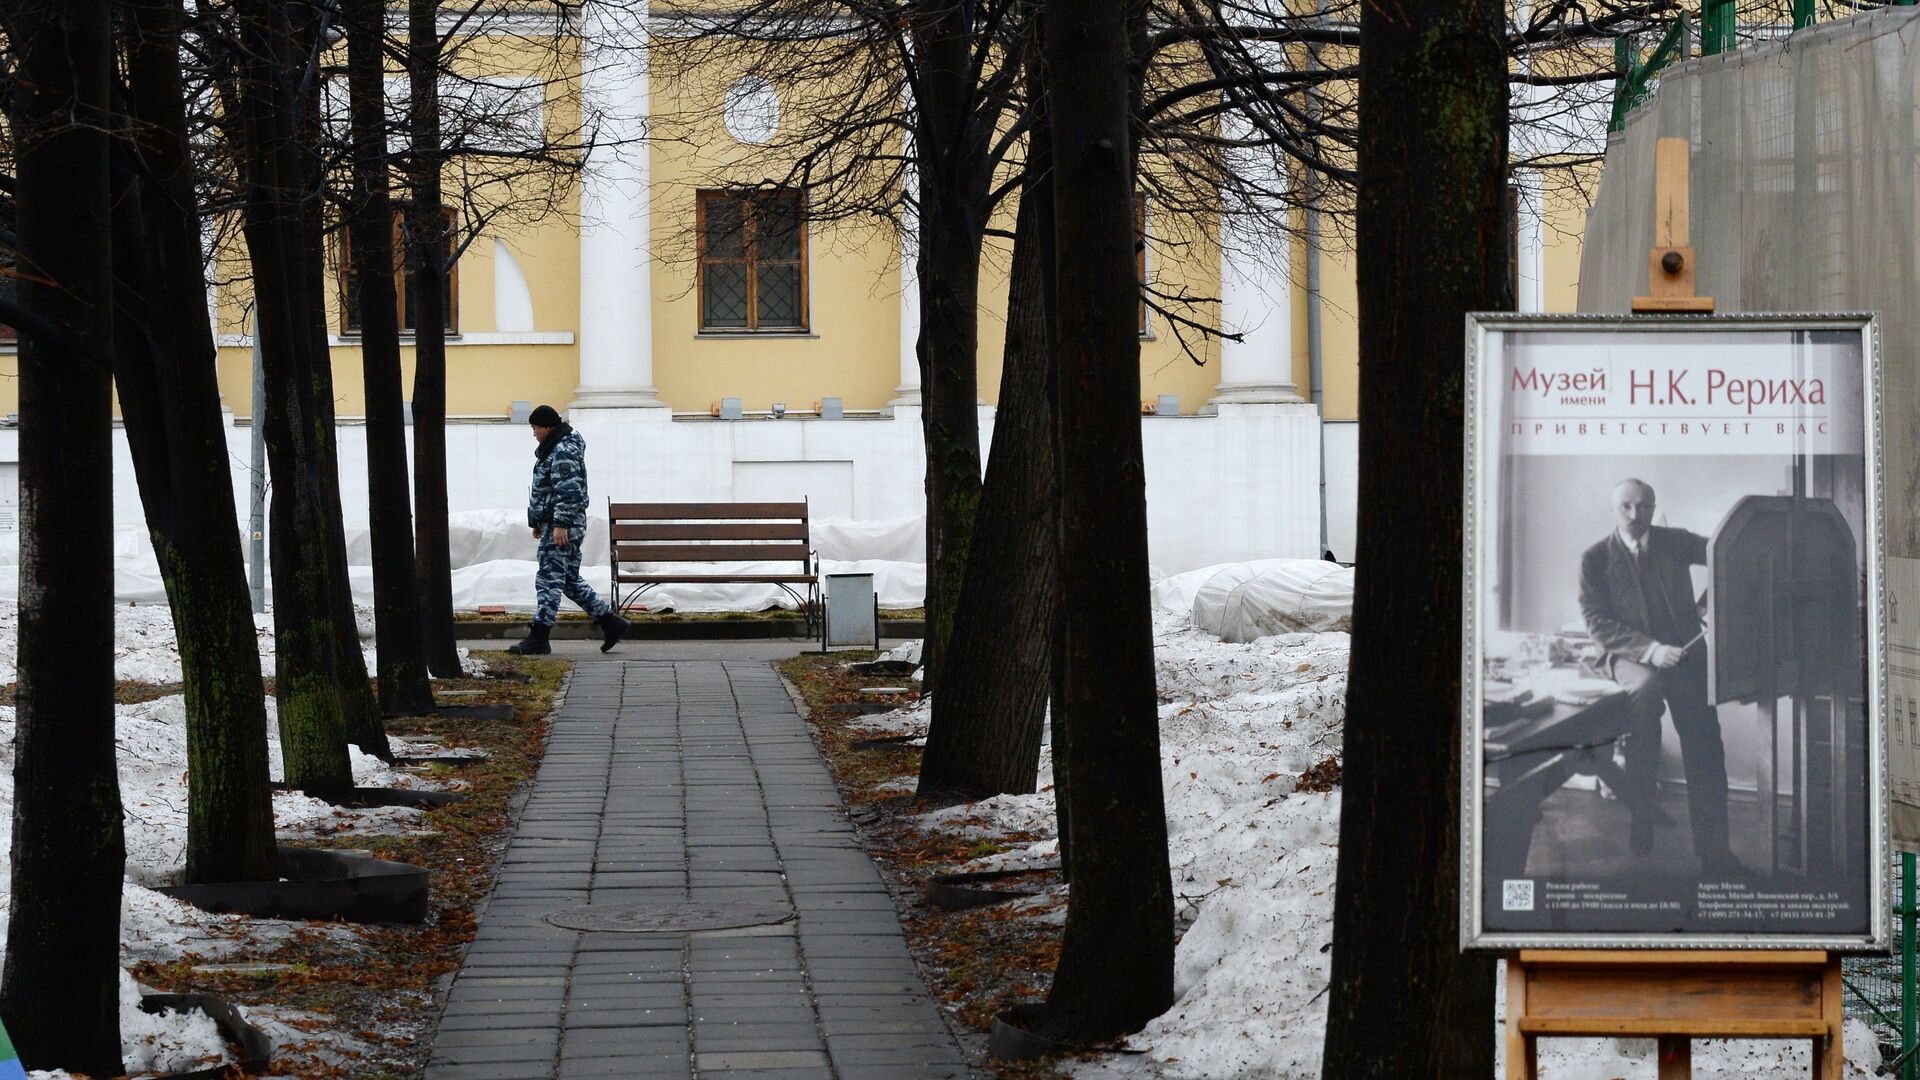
(752, 110)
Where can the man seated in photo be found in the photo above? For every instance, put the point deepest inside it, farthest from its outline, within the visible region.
(1636, 593)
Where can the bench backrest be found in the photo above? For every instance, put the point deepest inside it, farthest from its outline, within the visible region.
(708, 532)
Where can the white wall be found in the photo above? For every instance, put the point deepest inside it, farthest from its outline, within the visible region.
(1239, 485)
(1342, 441)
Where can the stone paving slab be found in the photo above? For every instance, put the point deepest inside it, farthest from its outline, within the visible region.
(684, 781)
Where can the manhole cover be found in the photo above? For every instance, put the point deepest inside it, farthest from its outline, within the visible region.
(670, 918)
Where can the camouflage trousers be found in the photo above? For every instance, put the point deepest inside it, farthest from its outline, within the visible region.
(559, 575)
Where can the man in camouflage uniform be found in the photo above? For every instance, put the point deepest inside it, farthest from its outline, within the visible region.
(557, 511)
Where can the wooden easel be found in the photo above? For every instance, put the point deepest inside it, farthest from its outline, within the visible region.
(1670, 269)
(1673, 995)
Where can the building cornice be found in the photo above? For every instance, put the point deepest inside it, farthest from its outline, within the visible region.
(483, 337)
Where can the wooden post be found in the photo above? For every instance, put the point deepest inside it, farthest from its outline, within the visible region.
(1521, 1047)
(1670, 265)
(1676, 1057)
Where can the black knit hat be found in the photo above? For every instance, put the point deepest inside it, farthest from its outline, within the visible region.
(544, 416)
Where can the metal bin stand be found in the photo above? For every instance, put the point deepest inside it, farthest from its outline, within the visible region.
(853, 613)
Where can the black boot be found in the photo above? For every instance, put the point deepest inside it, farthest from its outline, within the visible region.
(535, 643)
(614, 628)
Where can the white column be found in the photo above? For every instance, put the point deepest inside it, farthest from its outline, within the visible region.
(1255, 302)
(908, 392)
(1530, 276)
(616, 272)
(1525, 127)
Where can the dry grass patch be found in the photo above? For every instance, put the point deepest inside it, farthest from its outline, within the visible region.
(377, 983)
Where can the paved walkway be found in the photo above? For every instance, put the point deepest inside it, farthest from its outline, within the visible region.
(676, 782)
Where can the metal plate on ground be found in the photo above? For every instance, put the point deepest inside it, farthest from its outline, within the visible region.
(669, 918)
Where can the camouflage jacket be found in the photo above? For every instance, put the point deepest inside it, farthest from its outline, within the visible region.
(560, 485)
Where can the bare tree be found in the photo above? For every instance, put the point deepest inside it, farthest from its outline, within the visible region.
(59, 993)
(924, 114)
(1432, 238)
(269, 97)
(429, 253)
(1116, 960)
(168, 385)
(476, 159)
(990, 713)
(402, 649)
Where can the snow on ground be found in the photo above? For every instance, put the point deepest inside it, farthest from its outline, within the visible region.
(1253, 872)
(492, 555)
(165, 1042)
(144, 649)
(152, 757)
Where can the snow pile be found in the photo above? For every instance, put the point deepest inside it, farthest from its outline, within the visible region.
(151, 740)
(911, 721)
(1252, 859)
(151, 753)
(169, 1041)
(1253, 864)
(145, 650)
(1713, 1059)
(492, 553)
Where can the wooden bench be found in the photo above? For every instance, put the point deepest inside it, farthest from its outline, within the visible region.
(687, 533)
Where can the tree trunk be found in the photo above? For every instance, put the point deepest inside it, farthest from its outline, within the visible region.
(60, 991)
(404, 685)
(277, 179)
(360, 709)
(428, 248)
(1116, 960)
(1432, 246)
(1040, 189)
(956, 168)
(991, 710)
(170, 402)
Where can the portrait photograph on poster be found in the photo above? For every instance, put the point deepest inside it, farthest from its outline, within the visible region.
(1673, 648)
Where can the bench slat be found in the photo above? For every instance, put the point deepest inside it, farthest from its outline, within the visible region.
(758, 579)
(704, 511)
(711, 552)
(685, 530)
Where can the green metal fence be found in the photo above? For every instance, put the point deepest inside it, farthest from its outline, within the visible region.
(1880, 989)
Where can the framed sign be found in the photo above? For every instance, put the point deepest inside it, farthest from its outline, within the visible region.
(1674, 638)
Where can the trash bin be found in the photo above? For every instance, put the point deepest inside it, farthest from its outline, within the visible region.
(853, 613)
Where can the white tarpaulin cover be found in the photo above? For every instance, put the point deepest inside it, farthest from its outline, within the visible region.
(493, 563)
(1243, 601)
(1804, 197)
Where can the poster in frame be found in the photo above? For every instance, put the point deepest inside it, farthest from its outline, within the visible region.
(1673, 607)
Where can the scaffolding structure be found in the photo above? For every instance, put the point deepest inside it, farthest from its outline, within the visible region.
(1804, 197)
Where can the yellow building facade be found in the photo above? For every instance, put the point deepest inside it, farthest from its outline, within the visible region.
(616, 305)
(519, 297)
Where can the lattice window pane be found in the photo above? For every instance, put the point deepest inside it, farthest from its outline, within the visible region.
(726, 227)
(777, 230)
(409, 280)
(350, 299)
(724, 295)
(779, 294)
(9, 291)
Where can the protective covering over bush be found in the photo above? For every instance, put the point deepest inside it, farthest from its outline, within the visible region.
(493, 562)
(1243, 601)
